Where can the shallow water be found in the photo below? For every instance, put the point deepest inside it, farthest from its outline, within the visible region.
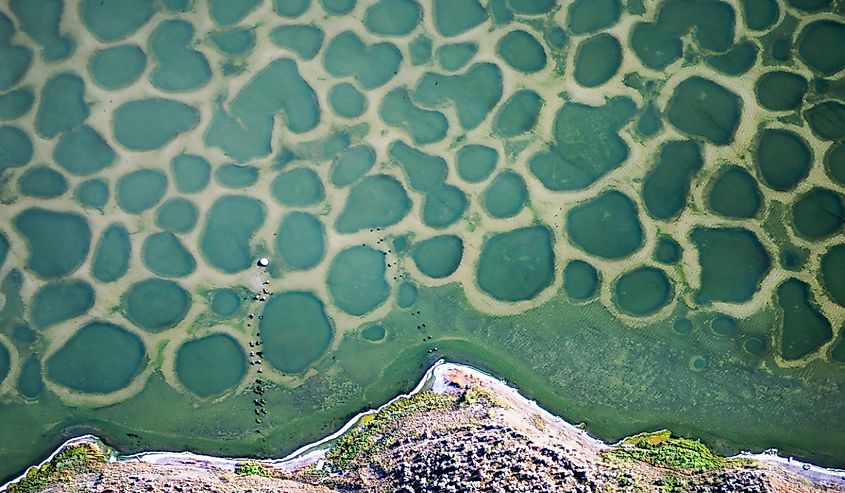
(625, 208)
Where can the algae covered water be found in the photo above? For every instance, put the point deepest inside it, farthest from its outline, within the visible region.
(632, 210)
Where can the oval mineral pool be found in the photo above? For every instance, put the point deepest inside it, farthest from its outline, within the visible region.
(42, 182)
(356, 280)
(373, 333)
(140, 190)
(642, 291)
(100, 358)
(225, 302)
(47, 257)
(301, 241)
(509, 277)
(178, 215)
(438, 257)
(580, 280)
(111, 257)
(156, 304)
(59, 301)
(211, 365)
(295, 331)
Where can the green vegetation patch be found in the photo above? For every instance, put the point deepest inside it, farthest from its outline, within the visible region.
(370, 436)
(660, 449)
(78, 459)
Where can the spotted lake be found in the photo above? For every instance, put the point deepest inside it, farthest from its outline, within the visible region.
(631, 209)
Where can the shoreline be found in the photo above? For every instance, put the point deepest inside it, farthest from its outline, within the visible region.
(436, 378)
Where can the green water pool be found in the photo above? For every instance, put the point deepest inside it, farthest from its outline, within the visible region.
(633, 211)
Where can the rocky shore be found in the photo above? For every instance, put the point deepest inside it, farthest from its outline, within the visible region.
(461, 432)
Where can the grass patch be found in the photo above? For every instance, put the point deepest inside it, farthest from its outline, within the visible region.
(71, 461)
(254, 469)
(660, 449)
(369, 436)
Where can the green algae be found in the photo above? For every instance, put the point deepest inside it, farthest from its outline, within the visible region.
(295, 331)
(100, 358)
(210, 365)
